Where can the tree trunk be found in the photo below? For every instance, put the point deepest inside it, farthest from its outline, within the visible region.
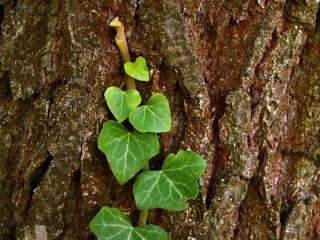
(242, 78)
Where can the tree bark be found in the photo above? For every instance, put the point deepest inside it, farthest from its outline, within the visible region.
(242, 78)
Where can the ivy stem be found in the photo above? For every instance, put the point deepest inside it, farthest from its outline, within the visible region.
(123, 47)
(131, 84)
(143, 216)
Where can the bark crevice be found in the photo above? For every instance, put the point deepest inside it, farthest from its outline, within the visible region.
(35, 180)
(5, 90)
(73, 201)
(220, 154)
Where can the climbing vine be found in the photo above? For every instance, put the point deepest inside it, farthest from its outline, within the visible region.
(128, 152)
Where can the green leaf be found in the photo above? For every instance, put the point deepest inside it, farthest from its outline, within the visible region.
(137, 69)
(111, 223)
(121, 103)
(127, 152)
(153, 117)
(172, 185)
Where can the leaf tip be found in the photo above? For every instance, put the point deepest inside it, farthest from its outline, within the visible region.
(115, 22)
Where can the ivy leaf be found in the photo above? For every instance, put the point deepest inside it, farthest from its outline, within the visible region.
(111, 223)
(172, 185)
(137, 69)
(121, 103)
(153, 117)
(127, 152)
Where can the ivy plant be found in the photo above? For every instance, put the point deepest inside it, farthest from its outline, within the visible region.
(152, 117)
(121, 103)
(169, 187)
(128, 152)
(138, 69)
(112, 223)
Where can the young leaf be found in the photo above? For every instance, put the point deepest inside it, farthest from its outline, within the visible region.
(127, 152)
(137, 69)
(121, 103)
(153, 117)
(172, 185)
(111, 223)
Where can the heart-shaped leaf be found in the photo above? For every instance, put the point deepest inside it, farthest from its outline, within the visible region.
(172, 185)
(121, 103)
(111, 223)
(137, 69)
(153, 117)
(127, 152)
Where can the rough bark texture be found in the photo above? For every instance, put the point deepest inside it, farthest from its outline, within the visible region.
(242, 78)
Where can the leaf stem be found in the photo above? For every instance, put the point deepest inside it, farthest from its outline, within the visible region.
(123, 47)
(143, 216)
(130, 82)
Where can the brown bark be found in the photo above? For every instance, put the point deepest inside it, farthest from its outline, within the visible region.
(242, 78)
